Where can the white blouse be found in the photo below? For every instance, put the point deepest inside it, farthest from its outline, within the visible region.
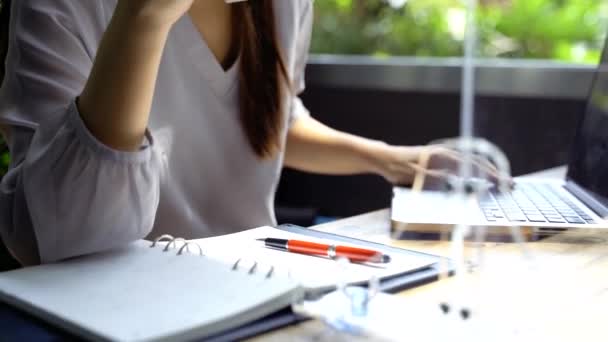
(67, 194)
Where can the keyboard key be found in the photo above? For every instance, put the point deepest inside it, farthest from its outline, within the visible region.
(512, 211)
(517, 218)
(536, 218)
(556, 220)
(590, 221)
(573, 219)
(548, 211)
(553, 215)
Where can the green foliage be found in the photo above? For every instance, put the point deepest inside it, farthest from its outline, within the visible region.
(570, 30)
(373, 27)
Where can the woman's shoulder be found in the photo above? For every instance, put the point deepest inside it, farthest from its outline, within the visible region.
(294, 10)
(61, 8)
(57, 23)
(88, 15)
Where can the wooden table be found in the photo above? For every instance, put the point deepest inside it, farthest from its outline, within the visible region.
(559, 294)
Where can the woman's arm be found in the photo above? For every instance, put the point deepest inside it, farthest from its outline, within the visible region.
(116, 101)
(69, 192)
(315, 147)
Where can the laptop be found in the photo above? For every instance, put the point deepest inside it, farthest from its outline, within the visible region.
(580, 201)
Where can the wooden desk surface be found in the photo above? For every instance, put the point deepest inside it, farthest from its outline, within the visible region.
(559, 293)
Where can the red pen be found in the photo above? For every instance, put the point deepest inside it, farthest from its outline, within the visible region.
(354, 254)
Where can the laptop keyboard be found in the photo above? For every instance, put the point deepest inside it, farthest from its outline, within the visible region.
(535, 203)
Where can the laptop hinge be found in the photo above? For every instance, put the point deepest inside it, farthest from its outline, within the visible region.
(589, 200)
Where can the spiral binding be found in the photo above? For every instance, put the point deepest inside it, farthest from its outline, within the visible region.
(253, 268)
(172, 242)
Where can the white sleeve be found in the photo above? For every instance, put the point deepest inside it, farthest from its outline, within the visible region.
(302, 48)
(66, 193)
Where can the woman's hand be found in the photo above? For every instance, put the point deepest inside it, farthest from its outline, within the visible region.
(432, 164)
(396, 163)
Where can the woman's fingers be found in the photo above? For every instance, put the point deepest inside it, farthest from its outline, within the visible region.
(479, 163)
(437, 166)
(444, 161)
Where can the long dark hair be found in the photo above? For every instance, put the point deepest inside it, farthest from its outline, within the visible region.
(263, 76)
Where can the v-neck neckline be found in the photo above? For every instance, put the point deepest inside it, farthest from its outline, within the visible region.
(221, 80)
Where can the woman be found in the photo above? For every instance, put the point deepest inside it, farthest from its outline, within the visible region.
(129, 118)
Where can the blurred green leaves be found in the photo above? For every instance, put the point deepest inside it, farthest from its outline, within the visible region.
(568, 30)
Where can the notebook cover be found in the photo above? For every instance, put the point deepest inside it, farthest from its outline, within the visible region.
(19, 326)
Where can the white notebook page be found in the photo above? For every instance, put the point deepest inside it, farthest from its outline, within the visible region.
(311, 271)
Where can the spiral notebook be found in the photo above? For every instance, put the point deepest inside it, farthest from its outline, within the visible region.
(172, 289)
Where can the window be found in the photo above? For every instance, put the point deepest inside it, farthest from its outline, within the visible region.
(566, 30)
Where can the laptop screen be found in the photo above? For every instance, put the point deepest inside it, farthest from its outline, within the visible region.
(588, 166)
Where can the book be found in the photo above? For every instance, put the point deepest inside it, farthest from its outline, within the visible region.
(184, 290)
